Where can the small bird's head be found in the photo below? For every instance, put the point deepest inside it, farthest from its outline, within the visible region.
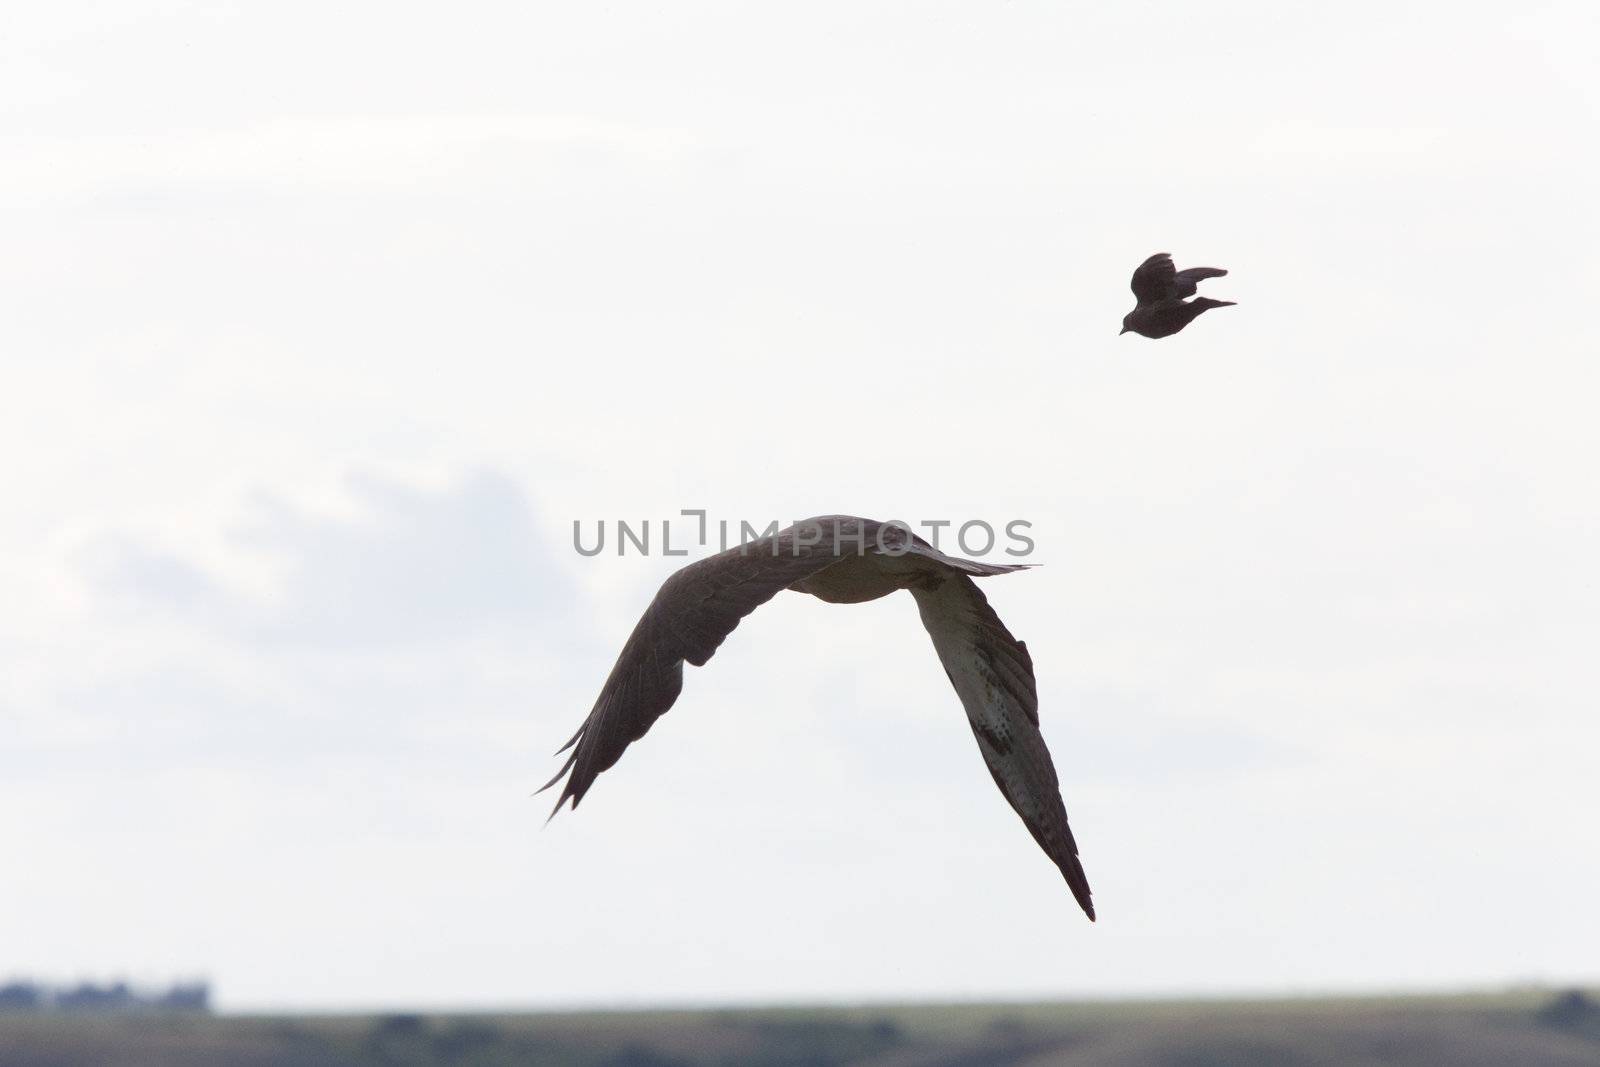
(1126, 326)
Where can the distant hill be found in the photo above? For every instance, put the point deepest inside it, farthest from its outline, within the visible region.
(1527, 1029)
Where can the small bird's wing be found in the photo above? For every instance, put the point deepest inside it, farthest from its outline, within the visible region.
(993, 675)
(1185, 280)
(695, 609)
(1155, 278)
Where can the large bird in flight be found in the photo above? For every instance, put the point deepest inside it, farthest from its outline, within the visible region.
(843, 560)
(1159, 289)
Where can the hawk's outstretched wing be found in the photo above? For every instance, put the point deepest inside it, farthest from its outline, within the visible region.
(993, 675)
(694, 610)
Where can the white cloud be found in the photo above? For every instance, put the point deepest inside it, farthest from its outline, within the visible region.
(410, 565)
(370, 156)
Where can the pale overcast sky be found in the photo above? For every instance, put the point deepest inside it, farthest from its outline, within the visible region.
(322, 323)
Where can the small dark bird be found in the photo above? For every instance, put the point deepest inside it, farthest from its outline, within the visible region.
(1160, 288)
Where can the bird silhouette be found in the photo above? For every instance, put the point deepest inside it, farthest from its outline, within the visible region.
(1159, 289)
(840, 559)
